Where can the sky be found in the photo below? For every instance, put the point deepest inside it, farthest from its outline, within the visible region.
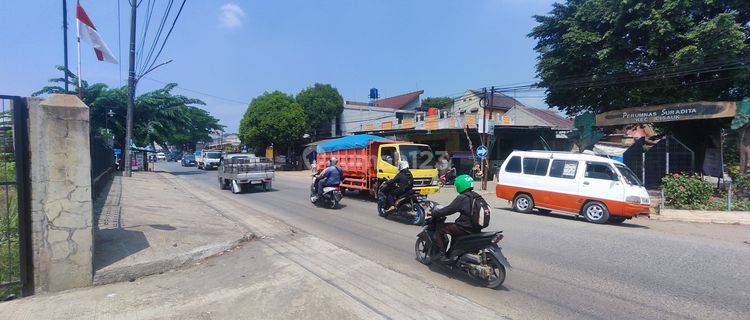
(228, 52)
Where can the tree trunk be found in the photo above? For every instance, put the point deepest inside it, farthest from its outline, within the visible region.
(744, 147)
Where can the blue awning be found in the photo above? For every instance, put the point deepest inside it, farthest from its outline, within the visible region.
(357, 141)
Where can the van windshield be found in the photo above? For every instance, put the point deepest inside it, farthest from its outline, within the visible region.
(418, 157)
(213, 155)
(630, 177)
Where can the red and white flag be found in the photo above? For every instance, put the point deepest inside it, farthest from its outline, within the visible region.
(88, 33)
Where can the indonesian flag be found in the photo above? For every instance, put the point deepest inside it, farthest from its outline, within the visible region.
(87, 32)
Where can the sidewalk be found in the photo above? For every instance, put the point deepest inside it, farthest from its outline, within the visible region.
(146, 225)
(720, 217)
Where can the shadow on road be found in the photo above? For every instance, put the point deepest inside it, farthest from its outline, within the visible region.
(184, 173)
(461, 276)
(578, 218)
(113, 245)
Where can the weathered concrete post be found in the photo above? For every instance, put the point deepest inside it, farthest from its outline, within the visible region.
(61, 205)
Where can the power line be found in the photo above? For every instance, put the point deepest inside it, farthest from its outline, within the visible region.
(201, 93)
(157, 36)
(171, 28)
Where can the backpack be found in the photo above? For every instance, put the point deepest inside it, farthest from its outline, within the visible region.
(480, 212)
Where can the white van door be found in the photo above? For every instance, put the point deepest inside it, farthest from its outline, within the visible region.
(600, 181)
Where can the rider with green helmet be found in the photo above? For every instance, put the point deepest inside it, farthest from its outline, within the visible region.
(464, 224)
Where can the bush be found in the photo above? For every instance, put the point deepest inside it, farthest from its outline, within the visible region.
(687, 191)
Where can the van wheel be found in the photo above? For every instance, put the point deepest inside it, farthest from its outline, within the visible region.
(523, 203)
(596, 212)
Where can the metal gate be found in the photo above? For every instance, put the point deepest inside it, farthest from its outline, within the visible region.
(15, 218)
(651, 164)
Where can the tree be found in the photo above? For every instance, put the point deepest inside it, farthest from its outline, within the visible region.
(602, 55)
(442, 103)
(159, 116)
(273, 118)
(321, 103)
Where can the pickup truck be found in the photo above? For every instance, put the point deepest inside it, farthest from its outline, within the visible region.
(238, 172)
(208, 159)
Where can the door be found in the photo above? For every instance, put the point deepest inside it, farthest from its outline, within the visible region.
(601, 182)
(563, 185)
(387, 162)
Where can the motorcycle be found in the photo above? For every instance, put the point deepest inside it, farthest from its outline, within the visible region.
(410, 207)
(476, 254)
(330, 197)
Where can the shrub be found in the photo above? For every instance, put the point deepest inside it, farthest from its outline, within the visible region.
(687, 191)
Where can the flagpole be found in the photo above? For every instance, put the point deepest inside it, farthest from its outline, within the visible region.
(78, 49)
(65, 42)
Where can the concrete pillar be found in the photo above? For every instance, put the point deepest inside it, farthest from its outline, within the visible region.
(61, 205)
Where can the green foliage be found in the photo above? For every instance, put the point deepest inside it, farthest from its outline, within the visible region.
(442, 103)
(687, 191)
(159, 116)
(273, 118)
(321, 103)
(602, 55)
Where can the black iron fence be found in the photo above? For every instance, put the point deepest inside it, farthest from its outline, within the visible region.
(652, 163)
(102, 163)
(15, 218)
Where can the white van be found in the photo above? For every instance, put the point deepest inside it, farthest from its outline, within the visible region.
(599, 188)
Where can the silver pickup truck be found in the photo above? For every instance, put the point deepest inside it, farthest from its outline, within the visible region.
(238, 172)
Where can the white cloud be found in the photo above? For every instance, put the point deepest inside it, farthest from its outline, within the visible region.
(230, 16)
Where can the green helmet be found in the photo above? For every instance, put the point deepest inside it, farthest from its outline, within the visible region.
(463, 183)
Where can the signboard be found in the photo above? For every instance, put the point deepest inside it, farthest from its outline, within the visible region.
(505, 120)
(482, 152)
(117, 151)
(431, 123)
(369, 127)
(668, 112)
(386, 125)
(471, 121)
(407, 123)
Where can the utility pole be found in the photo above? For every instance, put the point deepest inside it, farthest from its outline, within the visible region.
(65, 41)
(485, 135)
(131, 92)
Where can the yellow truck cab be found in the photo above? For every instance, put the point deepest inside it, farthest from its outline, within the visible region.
(421, 161)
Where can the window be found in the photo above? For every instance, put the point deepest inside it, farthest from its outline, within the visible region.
(388, 154)
(600, 170)
(535, 166)
(418, 157)
(514, 165)
(563, 169)
(630, 177)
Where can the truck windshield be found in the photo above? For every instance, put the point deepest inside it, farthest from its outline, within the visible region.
(213, 155)
(630, 177)
(418, 157)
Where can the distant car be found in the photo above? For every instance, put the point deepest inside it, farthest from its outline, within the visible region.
(161, 156)
(174, 156)
(188, 160)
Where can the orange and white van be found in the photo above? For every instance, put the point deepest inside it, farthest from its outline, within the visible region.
(598, 188)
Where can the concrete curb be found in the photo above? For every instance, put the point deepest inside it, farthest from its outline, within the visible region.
(718, 217)
(132, 272)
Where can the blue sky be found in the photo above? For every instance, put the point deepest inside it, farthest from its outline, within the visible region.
(240, 49)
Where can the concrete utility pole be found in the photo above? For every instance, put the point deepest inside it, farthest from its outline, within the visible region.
(65, 41)
(131, 92)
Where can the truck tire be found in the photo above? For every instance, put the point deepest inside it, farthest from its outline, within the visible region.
(266, 186)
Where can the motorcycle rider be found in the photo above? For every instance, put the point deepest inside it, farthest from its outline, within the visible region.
(399, 186)
(464, 224)
(331, 176)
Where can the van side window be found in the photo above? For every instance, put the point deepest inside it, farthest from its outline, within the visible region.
(388, 154)
(514, 165)
(600, 170)
(535, 166)
(563, 169)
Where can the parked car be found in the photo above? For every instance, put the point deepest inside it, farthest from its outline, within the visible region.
(161, 156)
(238, 172)
(598, 188)
(188, 160)
(174, 156)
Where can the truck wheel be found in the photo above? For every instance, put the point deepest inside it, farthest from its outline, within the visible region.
(523, 203)
(595, 212)
(266, 186)
(236, 187)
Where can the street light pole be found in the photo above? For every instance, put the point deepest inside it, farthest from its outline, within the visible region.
(131, 92)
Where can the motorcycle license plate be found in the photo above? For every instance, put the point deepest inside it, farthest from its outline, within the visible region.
(256, 182)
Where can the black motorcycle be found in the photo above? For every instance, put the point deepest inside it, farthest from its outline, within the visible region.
(476, 254)
(329, 199)
(409, 207)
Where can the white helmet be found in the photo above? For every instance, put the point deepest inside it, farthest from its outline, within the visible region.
(403, 165)
(333, 161)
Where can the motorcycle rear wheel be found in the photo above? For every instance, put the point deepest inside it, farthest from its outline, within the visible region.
(498, 277)
(421, 251)
(418, 214)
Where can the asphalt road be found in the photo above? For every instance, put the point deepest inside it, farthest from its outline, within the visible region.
(563, 267)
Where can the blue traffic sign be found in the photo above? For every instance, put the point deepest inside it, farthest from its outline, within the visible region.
(482, 152)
